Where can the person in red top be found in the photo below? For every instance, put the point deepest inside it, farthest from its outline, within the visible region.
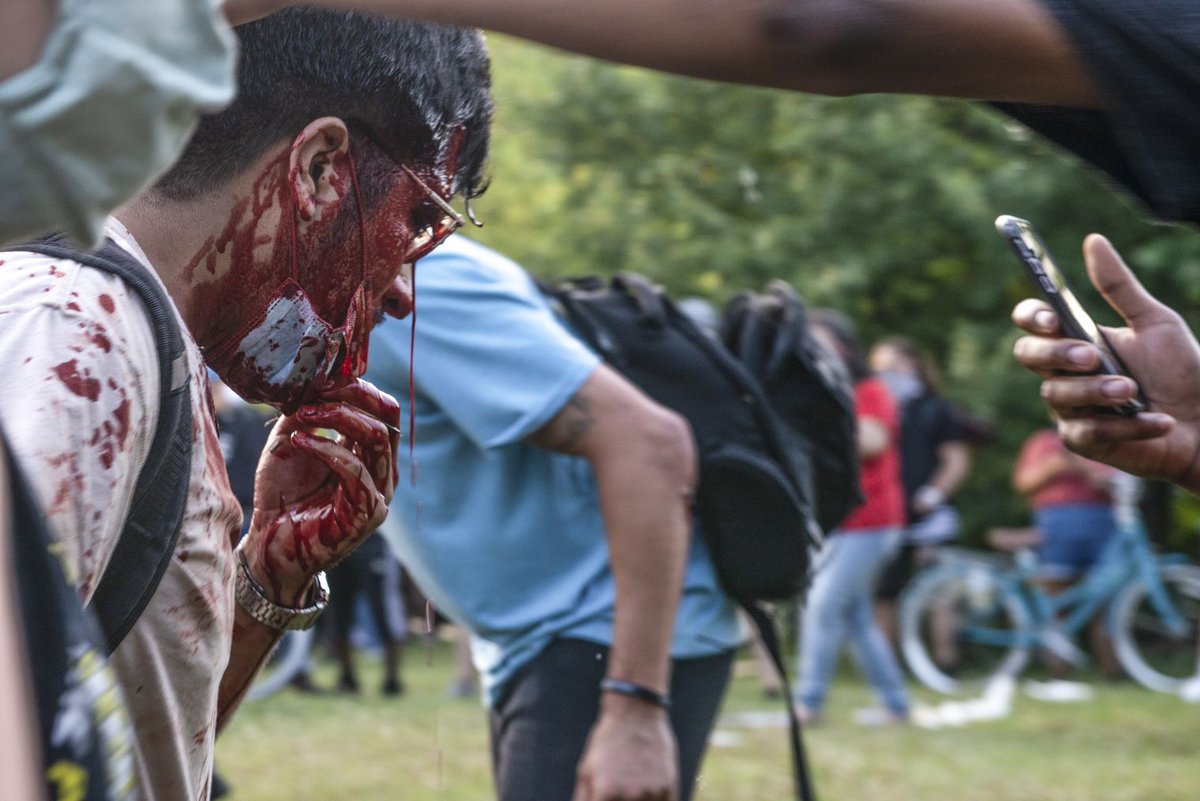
(1072, 510)
(1072, 506)
(840, 602)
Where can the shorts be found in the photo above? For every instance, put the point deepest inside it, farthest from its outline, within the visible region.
(1073, 537)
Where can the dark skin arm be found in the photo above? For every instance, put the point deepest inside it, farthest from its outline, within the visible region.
(1001, 50)
(643, 461)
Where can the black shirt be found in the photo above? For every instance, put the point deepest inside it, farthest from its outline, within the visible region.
(926, 423)
(1145, 57)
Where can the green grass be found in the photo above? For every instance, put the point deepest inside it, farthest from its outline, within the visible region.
(1127, 745)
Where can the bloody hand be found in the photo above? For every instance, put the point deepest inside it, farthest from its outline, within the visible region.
(316, 497)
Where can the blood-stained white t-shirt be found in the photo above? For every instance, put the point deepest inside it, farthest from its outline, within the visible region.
(79, 393)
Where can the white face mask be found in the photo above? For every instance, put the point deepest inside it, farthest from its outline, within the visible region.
(903, 386)
(109, 105)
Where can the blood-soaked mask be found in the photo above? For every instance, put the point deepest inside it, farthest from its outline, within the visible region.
(288, 355)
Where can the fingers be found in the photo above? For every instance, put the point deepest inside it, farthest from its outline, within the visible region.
(1036, 317)
(1067, 393)
(1094, 435)
(1048, 357)
(373, 439)
(1117, 283)
(357, 483)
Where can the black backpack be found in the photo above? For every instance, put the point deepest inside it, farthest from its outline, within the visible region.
(809, 388)
(754, 499)
(152, 526)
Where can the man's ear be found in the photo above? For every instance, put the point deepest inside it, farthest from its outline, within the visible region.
(319, 167)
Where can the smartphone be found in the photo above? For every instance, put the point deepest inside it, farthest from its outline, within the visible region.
(1073, 319)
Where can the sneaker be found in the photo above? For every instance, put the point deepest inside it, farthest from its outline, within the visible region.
(876, 717)
(393, 687)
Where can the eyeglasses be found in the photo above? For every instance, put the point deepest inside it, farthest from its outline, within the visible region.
(433, 234)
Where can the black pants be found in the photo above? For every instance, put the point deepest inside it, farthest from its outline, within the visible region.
(540, 727)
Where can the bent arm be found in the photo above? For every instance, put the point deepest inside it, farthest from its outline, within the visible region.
(644, 465)
(873, 437)
(643, 460)
(1031, 475)
(954, 463)
(999, 50)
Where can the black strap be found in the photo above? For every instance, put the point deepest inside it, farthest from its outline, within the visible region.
(765, 623)
(156, 512)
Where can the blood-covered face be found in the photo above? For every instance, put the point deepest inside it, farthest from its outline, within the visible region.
(308, 273)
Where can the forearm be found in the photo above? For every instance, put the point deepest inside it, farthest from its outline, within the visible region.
(252, 646)
(1032, 477)
(1002, 50)
(954, 463)
(648, 528)
(253, 643)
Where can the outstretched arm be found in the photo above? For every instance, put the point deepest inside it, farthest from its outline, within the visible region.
(998, 50)
(1162, 352)
(643, 460)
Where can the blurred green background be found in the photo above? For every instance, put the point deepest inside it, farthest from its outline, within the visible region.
(879, 206)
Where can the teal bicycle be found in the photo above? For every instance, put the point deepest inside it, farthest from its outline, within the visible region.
(976, 616)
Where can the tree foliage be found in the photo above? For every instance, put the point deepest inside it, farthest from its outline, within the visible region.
(879, 206)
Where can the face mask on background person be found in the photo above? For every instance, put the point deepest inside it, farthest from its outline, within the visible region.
(903, 386)
(107, 107)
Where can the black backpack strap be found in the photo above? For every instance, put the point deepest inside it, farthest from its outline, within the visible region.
(765, 624)
(156, 512)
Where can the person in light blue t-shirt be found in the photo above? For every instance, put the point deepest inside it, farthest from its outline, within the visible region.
(547, 512)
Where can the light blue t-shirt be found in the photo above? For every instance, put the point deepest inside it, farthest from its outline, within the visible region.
(506, 538)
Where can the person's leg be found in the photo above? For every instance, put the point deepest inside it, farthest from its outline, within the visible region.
(540, 726)
(823, 624)
(387, 610)
(539, 729)
(697, 687)
(870, 552)
(344, 586)
(892, 580)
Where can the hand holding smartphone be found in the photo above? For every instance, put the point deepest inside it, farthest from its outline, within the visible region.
(1074, 321)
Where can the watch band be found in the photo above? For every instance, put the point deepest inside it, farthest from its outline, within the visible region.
(253, 598)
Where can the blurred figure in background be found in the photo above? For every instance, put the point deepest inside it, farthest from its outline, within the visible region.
(371, 573)
(840, 602)
(1072, 510)
(934, 461)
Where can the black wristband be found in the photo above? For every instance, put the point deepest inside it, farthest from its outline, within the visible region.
(622, 687)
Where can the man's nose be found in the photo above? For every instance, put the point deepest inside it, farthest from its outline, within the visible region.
(398, 299)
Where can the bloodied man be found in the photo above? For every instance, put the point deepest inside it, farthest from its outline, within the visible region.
(279, 236)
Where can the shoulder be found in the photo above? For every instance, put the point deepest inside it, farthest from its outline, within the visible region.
(461, 262)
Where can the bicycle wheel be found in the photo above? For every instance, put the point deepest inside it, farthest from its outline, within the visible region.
(289, 659)
(1153, 653)
(961, 627)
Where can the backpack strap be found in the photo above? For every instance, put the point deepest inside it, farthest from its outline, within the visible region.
(765, 624)
(156, 512)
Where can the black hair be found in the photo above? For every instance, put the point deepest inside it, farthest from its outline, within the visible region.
(405, 85)
(841, 329)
